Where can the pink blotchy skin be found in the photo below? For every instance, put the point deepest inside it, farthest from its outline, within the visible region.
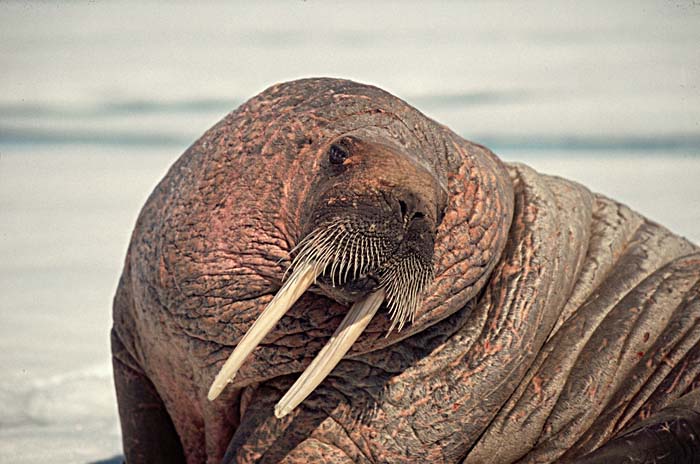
(559, 326)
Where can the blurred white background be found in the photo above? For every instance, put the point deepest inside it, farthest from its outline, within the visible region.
(97, 99)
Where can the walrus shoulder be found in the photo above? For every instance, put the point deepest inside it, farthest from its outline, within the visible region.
(615, 314)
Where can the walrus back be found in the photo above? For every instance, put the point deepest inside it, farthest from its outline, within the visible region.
(602, 368)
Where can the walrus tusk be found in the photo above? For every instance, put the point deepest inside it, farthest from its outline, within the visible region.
(330, 355)
(300, 280)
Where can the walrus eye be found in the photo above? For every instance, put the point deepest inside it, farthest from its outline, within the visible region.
(337, 154)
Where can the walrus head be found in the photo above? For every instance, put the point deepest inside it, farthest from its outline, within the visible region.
(372, 224)
(371, 227)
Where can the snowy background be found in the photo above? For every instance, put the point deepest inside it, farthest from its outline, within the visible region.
(97, 99)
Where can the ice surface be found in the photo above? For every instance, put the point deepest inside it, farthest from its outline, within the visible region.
(65, 218)
(98, 99)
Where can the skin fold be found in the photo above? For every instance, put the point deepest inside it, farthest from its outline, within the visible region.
(556, 325)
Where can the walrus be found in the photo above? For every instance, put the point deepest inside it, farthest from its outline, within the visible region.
(328, 275)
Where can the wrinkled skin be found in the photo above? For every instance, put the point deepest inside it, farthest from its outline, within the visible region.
(555, 315)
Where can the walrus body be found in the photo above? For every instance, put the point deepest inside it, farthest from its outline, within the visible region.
(556, 324)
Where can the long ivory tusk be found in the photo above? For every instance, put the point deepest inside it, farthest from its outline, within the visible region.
(290, 292)
(330, 355)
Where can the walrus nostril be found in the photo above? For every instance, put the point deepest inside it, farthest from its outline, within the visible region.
(404, 208)
(408, 214)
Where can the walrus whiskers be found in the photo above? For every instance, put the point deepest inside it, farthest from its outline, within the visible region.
(405, 282)
(349, 254)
